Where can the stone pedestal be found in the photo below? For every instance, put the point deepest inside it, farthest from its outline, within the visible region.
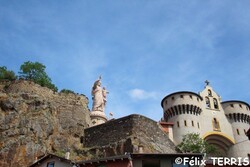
(98, 117)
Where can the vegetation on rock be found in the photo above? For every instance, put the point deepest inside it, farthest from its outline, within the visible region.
(6, 74)
(67, 91)
(35, 71)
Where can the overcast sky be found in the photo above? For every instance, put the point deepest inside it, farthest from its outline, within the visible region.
(144, 49)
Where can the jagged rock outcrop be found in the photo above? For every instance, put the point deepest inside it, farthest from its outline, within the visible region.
(35, 120)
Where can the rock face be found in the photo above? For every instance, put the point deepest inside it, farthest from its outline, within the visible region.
(131, 134)
(34, 120)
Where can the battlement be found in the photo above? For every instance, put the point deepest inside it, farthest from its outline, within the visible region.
(237, 110)
(183, 102)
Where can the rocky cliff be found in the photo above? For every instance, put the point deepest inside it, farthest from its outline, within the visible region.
(35, 120)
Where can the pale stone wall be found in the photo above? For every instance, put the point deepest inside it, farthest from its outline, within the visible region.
(170, 133)
(207, 118)
(209, 113)
(242, 128)
(183, 129)
(240, 149)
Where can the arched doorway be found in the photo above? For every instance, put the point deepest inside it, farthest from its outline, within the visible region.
(221, 141)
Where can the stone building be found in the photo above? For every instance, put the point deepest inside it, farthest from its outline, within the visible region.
(223, 124)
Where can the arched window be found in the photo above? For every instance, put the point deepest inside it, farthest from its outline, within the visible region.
(216, 104)
(207, 102)
(216, 124)
(209, 92)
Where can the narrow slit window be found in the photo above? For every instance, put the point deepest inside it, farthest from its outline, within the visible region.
(238, 132)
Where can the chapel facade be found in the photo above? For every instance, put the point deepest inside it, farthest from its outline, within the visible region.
(221, 123)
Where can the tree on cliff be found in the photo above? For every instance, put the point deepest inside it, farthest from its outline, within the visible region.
(6, 74)
(36, 72)
(192, 143)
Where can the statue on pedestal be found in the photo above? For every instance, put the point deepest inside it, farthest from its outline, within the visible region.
(99, 96)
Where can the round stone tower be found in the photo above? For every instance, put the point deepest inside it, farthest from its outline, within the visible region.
(183, 110)
(238, 114)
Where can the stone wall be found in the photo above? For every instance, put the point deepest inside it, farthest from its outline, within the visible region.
(110, 132)
(133, 133)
